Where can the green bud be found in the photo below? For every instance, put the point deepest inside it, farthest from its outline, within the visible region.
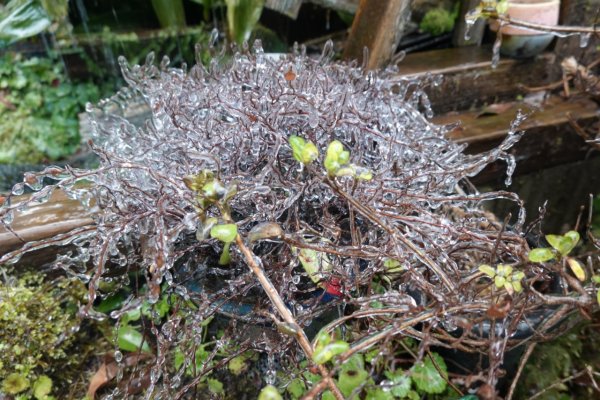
(269, 392)
(225, 233)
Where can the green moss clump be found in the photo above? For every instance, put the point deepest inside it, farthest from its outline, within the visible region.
(438, 21)
(38, 328)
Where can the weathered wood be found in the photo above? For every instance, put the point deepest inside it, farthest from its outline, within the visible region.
(460, 29)
(469, 79)
(378, 25)
(59, 215)
(578, 13)
(549, 139)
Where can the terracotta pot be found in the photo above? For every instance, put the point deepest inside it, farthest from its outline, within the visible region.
(523, 43)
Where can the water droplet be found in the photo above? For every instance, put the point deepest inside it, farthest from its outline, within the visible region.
(584, 39)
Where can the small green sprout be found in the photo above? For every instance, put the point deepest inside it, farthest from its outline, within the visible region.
(504, 277)
(226, 233)
(336, 163)
(209, 190)
(326, 349)
(303, 151)
(561, 247)
(269, 392)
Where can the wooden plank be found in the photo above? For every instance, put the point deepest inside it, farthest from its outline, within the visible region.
(469, 79)
(59, 215)
(378, 25)
(477, 126)
(549, 139)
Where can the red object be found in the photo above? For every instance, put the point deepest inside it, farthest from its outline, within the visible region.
(333, 287)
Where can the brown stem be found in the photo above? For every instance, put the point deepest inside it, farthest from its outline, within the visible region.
(522, 363)
(284, 312)
(370, 214)
(545, 28)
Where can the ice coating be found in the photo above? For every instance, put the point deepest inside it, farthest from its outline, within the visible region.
(234, 117)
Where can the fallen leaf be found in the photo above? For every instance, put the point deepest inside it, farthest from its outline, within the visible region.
(108, 370)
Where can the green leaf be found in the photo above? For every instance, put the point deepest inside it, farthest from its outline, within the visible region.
(541, 255)
(269, 392)
(327, 395)
(486, 269)
(130, 339)
(326, 353)
(598, 296)
(242, 16)
(375, 393)
(110, 303)
(596, 278)
(577, 268)
(499, 281)
(225, 233)
(315, 263)
(215, 386)
(238, 364)
(427, 378)
(22, 19)
(15, 383)
(352, 374)
(296, 388)
(323, 338)
(335, 156)
(42, 387)
(401, 383)
(303, 151)
(564, 244)
(502, 7)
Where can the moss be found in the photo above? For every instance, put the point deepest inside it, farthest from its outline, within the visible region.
(438, 21)
(39, 335)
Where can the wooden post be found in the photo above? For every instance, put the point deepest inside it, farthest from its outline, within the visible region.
(476, 31)
(580, 13)
(378, 25)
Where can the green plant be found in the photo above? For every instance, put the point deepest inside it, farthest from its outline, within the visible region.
(170, 13)
(39, 110)
(504, 277)
(561, 247)
(242, 16)
(438, 21)
(20, 19)
(45, 314)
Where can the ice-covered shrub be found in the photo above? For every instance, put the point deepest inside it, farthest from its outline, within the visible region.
(400, 247)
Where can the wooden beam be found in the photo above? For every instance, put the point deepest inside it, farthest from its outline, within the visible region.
(469, 79)
(378, 25)
(549, 139)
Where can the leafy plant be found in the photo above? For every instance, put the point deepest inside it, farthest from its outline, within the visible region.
(438, 21)
(504, 277)
(242, 16)
(561, 247)
(39, 110)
